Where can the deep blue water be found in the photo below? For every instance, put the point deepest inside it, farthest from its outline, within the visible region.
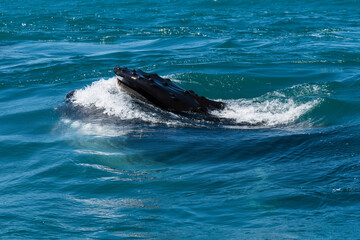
(286, 164)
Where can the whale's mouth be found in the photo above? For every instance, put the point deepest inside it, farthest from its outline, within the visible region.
(125, 72)
(125, 84)
(119, 81)
(125, 78)
(130, 78)
(124, 87)
(121, 84)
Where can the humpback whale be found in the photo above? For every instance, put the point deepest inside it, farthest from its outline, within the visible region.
(162, 92)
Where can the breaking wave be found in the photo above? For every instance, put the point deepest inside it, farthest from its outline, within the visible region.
(277, 108)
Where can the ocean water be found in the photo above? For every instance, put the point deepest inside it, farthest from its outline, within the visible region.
(284, 165)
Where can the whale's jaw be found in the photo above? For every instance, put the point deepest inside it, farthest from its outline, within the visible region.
(163, 93)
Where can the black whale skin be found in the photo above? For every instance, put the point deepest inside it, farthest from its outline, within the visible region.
(163, 93)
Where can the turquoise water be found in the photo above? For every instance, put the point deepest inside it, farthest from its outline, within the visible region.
(285, 165)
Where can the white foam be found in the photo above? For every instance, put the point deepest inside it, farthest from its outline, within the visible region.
(281, 107)
(90, 152)
(93, 129)
(104, 95)
(173, 77)
(267, 113)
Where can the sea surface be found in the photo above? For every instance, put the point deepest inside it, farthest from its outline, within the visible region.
(284, 163)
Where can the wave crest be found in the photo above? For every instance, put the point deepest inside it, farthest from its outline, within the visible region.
(282, 107)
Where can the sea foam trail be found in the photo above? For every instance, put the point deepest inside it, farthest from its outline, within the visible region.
(267, 113)
(276, 108)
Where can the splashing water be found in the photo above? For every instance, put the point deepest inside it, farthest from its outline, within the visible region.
(276, 108)
(268, 113)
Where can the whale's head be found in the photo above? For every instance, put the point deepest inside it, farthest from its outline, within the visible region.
(162, 92)
(136, 80)
(151, 88)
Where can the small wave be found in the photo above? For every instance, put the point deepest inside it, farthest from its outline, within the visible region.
(268, 113)
(281, 107)
(90, 152)
(83, 127)
(173, 77)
